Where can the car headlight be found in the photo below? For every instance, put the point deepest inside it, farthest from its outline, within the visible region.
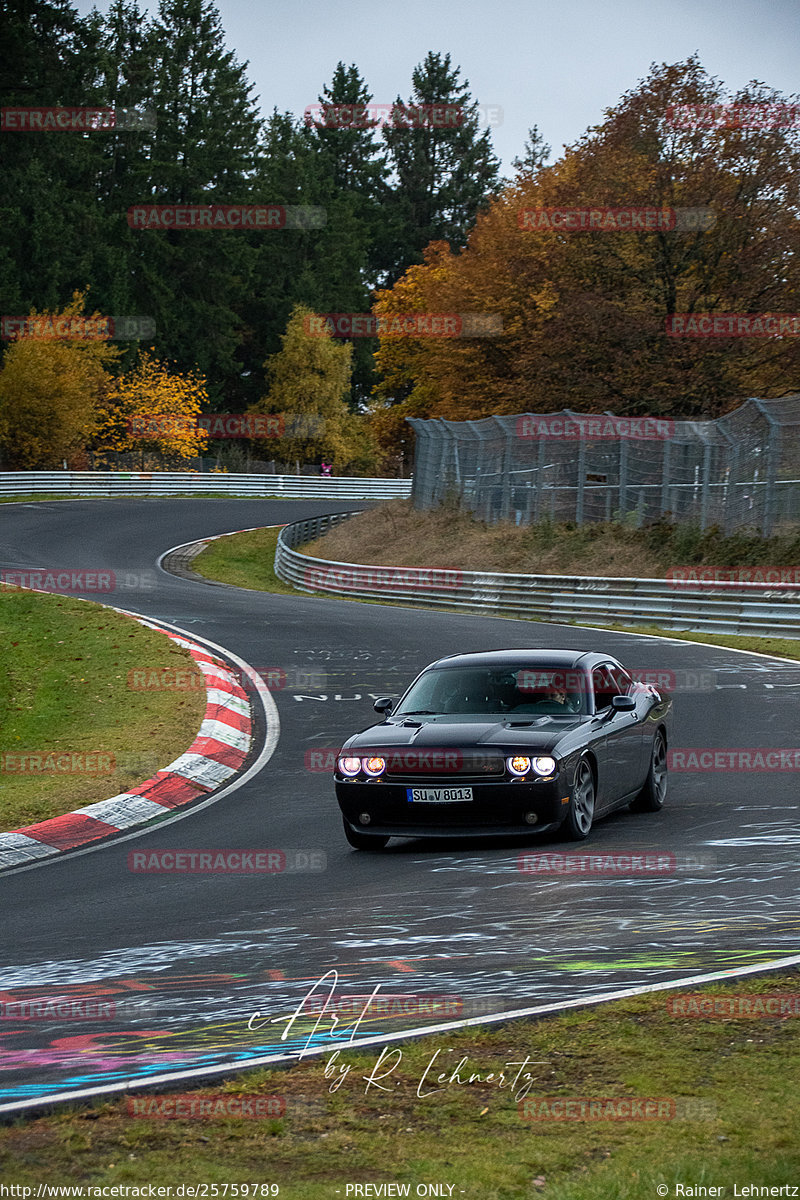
(348, 765)
(518, 764)
(544, 765)
(374, 766)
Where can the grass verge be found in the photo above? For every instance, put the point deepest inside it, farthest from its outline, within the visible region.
(243, 560)
(733, 1079)
(777, 647)
(68, 690)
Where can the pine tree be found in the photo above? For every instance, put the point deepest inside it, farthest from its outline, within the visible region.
(194, 282)
(536, 153)
(445, 171)
(47, 178)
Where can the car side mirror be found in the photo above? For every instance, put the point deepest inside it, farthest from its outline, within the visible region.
(384, 706)
(623, 703)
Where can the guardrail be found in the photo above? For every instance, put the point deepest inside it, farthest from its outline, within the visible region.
(166, 483)
(721, 608)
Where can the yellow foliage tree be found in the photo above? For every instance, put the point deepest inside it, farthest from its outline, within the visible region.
(52, 389)
(309, 379)
(153, 408)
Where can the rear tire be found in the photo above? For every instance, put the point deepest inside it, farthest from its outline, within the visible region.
(652, 796)
(580, 814)
(364, 841)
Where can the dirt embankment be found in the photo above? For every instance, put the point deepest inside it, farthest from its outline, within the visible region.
(395, 534)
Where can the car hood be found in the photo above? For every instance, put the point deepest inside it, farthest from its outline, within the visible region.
(540, 733)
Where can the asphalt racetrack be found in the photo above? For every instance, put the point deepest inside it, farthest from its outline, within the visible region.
(179, 963)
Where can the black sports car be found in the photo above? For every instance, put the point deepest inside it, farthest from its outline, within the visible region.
(504, 742)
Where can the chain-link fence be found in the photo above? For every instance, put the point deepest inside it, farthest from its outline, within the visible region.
(741, 471)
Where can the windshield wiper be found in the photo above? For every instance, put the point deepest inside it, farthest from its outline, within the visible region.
(417, 712)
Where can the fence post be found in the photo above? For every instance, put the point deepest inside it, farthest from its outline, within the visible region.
(537, 500)
(623, 476)
(665, 466)
(704, 485)
(581, 481)
(769, 513)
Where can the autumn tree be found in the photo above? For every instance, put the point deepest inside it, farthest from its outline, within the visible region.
(584, 313)
(53, 383)
(152, 408)
(308, 385)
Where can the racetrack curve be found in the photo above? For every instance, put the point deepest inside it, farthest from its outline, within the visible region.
(200, 954)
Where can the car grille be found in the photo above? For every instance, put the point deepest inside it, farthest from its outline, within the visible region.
(406, 765)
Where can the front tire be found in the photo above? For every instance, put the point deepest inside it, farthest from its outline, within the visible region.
(652, 796)
(580, 814)
(364, 841)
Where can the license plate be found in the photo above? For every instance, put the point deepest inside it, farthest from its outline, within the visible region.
(452, 795)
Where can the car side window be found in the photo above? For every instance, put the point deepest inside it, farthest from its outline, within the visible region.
(623, 681)
(605, 686)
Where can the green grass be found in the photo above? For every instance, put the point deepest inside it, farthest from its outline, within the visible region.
(777, 647)
(65, 688)
(467, 1134)
(244, 560)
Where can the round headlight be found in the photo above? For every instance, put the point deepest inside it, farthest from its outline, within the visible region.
(519, 764)
(374, 766)
(544, 766)
(348, 765)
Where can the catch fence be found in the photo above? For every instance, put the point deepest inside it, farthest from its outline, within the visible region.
(739, 472)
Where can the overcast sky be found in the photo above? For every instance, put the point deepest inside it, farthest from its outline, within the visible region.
(557, 64)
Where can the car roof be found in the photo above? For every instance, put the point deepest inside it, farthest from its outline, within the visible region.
(563, 659)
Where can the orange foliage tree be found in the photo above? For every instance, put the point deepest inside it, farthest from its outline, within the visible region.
(584, 312)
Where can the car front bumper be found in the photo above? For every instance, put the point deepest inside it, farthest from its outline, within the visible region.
(496, 808)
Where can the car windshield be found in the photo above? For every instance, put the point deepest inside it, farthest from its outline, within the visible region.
(515, 690)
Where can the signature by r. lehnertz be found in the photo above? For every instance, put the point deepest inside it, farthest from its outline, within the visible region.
(432, 1077)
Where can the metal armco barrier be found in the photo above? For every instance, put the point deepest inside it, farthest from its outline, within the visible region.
(724, 608)
(166, 483)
